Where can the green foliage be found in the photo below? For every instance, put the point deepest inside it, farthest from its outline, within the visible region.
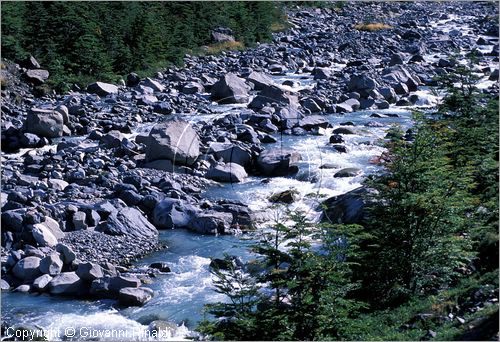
(77, 41)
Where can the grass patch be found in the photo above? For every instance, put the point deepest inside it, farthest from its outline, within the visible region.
(217, 48)
(370, 27)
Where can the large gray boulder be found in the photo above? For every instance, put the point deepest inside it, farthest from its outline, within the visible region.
(37, 76)
(27, 268)
(348, 208)
(260, 80)
(102, 89)
(109, 287)
(175, 140)
(274, 94)
(89, 271)
(133, 296)
(67, 254)
(227, 173)
(230, 153)
(42, 282)
(278, 162)
(230, 89)
(155, 85)
(43, 236)
(52, 264)
(128, 221)
(44, 123)
(211, 222)
(66, 283)
(173, 213)
(362, 84)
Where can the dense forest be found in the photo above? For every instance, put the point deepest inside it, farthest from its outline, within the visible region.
(423, 263)
(83, 41)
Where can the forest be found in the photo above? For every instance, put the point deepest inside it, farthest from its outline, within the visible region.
(79, 42)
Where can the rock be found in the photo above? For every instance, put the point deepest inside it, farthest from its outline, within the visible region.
(260, 80)
(67, 255)
(287, 196)
(79, 219)
(227, 173)
(57, 184)
(112, 139)
(29, 140)
(494, 75)
(362, 84)
(43, 236)
(401, 89)
(4, 285)
(131, 296)
(133, 79)
(42, 282)
(274, 94)
(22, 288)
(44, 123)
(128, 221)
(89, 271)
(348, 208)
(314, 122)
(321, 73)
(222, 34)
(172, 213)
(119, 282)
(52, 264)
(27, 268)
(347, 172)
(102, 89)
(278, 162)
(396, 58)
(30, 63)
(230, 89)
(161, 266)
(37, 76)
(193, 88)
(175, 140)
(343, 130)
(162, 108)
(156, 86)
(347, 106)
(160, 164)
(230, 153)
(336, 139)
(210, 222)
(311, 105)
(66, 283)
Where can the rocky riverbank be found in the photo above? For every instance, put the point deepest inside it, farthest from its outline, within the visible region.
(90, 176)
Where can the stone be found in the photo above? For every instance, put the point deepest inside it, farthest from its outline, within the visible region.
(342, 130)
(128, 221)
(230, 153)
(43, 236)
(227, 173)
(37, 76)
(131, 296)
(57, 184)
(278, 162)
(321, 73)
(287, 196)
(336, 139)
(160, 164)
(274, 94)
(222, 34)
(42, 283)
(347, 106)
(155, 85)
(22, 288)
(193, 88)
(44, 123)
(67, 254)
(4, 285)
(29, 140)
(175, 140)
(314, 122)
(347, 172)
(362, 84)
(210, 222)
(161, 266)
(66, 283)
(27, 268)
(89, 271)
(260, 80)
(389, 94)
(79, 219)
(172, 213)
(52, 264)
(230, 89)
(348, 208)
(102, 89)
(112, 139)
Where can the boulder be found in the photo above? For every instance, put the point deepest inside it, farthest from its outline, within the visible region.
(175, 140)
(211, 222)
(37, 76)
(23, 288)
(172, 213)
(343, 130)
(260, 80)
(44, 123)
(4, 285)
(274, 94)
(230, 89)
(112, 139)
(27, 268)
(161, 266)
(278, 162)
(66, 283)
(336, 139)
(128, 221)
(222, 34)
(348, 208)
(149, 82)
(132, 296)
(52, 264)
(42, 282)
(287, 196)
(347, 172)
(193, 88)
(230, 153)
(57, 184)
(102, 89)
(227, 173)
(43, 236)
(347, 106)
(321, 73)
(362, 84)
(89, 271)
(314, 122)
(67, 255)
